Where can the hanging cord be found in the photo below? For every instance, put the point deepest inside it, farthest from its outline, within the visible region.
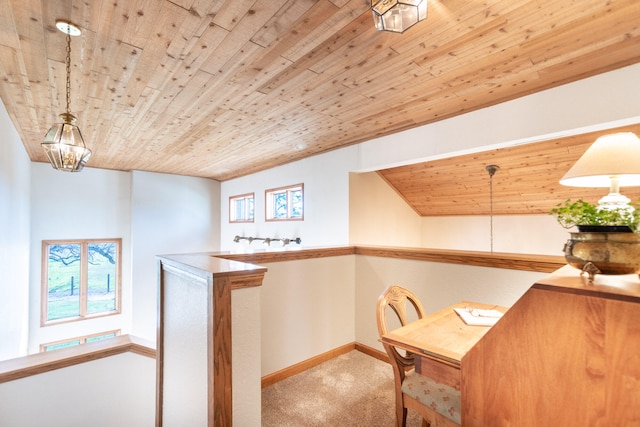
(491, 209)
(492, 169)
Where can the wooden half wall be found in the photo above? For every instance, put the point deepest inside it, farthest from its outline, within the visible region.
(195, 369)
(196, 351)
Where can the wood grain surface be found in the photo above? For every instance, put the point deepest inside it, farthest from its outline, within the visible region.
(225, 88)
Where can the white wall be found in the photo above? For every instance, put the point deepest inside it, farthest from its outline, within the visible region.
(170, 214)
(92, 204)
(246, 372)
(599, 102)
(152, 213)
(527, 234)
(326, 202)
(379, 216)
(114, 391)
(14, 241)
(307, 308)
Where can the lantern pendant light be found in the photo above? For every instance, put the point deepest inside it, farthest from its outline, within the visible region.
(398, 15)
(63, 144)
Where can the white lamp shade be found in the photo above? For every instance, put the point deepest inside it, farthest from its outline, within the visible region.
(610, 156)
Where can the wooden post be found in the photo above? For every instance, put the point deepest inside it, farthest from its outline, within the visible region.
(194, 325)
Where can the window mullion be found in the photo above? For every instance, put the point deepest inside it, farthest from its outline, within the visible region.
(281, 204)
(84, 267)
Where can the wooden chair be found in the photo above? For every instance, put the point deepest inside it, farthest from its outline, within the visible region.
(438, 404)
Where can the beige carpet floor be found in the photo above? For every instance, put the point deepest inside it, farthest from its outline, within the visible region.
(350, 390)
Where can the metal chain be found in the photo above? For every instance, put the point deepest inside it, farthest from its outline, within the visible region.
(68, 70)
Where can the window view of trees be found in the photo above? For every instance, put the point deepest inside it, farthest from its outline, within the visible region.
(80, 279)
(285, 203)
(280, 205)
(296, 203)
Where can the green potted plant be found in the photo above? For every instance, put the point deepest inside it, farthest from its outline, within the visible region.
(588, 218)
(608, 242)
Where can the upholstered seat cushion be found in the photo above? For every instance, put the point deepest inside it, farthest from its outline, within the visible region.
(439, 397)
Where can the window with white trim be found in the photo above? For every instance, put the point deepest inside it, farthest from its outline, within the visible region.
(285, 203)
(80, 279)
(241, 208)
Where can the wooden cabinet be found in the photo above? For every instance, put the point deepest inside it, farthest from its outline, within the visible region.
(566, 354)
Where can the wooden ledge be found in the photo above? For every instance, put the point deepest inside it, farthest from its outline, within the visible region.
(511, 261)
(288, 255)
(39, 363)
(568, 279)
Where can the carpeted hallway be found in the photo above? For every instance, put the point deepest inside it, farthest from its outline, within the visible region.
(350, 390)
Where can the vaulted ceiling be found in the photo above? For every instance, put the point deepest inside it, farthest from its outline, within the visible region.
(224, 88)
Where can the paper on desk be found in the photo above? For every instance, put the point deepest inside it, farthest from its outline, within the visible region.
(479, 317)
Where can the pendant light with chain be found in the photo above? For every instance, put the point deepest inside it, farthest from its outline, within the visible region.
(63, 144)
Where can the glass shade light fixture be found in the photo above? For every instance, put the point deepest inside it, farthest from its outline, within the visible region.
(612, 161)
(63, 144)
(398, 15)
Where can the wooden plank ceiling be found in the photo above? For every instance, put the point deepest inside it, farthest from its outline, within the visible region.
(526, 183)
(224, 88)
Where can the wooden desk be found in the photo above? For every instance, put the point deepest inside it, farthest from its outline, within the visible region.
(440, 340)
(566, 354)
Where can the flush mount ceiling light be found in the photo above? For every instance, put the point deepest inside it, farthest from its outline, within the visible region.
(398, 15)
(63, 144)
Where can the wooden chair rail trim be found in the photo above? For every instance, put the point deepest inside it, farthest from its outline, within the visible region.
(511, 261)
(288, 255)
(39, 363)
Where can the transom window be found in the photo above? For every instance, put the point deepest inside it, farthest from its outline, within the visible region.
(241, 208)
(286, 203)
(80, 279)
(78, 340)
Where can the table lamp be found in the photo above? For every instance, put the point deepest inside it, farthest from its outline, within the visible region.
(612, 161)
